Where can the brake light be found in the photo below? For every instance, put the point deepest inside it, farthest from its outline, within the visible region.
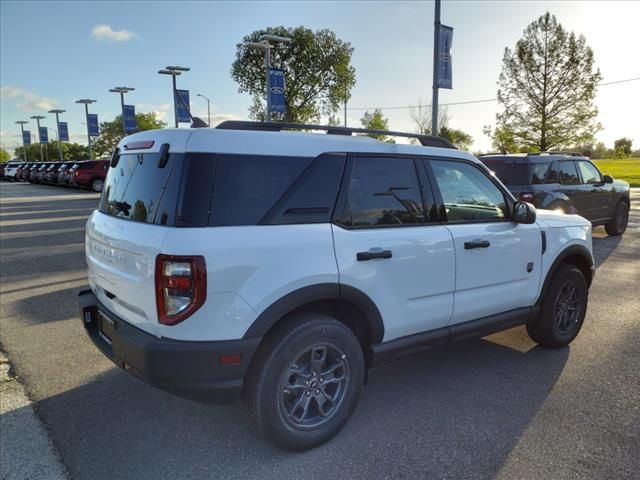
(181, 287)
(76, 173)
(527, 197)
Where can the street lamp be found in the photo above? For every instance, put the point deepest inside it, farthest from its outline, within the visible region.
(22, 123)
(87, 102)
(174, 71)
(37, 118)
(122, 91)
(266, 46)
(58, 112)
(208, 107)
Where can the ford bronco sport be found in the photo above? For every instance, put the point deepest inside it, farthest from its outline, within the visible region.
(277, 266)
(566, 182)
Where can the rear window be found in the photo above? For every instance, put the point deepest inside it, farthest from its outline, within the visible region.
(512, 173)
(134, 187)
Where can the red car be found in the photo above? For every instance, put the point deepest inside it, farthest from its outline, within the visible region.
(89, 174)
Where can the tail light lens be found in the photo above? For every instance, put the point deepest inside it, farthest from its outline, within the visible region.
(527, 197)
(76, 173)
(181, 287)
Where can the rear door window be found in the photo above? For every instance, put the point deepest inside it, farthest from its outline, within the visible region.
(568, 174)
(383, 191)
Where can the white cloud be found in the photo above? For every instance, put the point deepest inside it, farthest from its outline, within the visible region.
(161, 110)
(27, 101)
(106, 33)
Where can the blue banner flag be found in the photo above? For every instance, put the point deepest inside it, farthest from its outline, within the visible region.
(26, 137)
(276, 80)
(63, 132)
(129, 114)
(445, 39)
(92, 124)
(43, 134)
(182, 106)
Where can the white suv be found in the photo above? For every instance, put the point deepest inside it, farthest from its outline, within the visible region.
(279, 266)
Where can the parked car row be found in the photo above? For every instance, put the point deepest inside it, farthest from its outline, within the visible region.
(87, 174)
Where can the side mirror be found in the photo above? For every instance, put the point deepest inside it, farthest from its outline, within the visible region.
(524, 212)
(607, 179)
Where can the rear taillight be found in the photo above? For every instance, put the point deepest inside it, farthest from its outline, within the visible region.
(181, 287)
(76, 173)
(527, 197)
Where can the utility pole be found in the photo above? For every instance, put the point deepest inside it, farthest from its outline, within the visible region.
(37, 118)
(58, 112)
(24, 147)
(436, 51)
(174, 71)
(208, 107)
(122, 91)
(87, 102)
(266, 46)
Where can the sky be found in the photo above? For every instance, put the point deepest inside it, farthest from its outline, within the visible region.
(53, 53)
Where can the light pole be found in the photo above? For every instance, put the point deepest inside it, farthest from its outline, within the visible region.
(174, 71)
(436, 50)
(58, 112)
(122, 91)
(37, 118)
(266, 46)
(87, 102)
(22, 123)
(208, 108)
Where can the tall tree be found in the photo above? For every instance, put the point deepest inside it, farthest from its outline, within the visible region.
(4, 155)
(502, 139)
(420, 114)
(622, 147)
(459, 138)
(376, 121)
(112, 132)
(318, 73)
(547, 87)
(70, 151)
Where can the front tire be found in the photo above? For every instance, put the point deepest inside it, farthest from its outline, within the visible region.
(305, 381)
(618, 223)
(97, 184)
(562, 310)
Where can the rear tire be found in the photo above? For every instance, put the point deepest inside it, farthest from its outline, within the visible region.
(305, 381)
(618, 223)
(562, 310)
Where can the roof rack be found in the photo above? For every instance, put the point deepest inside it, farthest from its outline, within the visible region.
(493, 154)
(570, 154)
(425, 140)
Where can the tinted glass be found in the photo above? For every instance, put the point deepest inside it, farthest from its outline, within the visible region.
(567, 173)
(468, 194)
(134, 188)
(247, 186)
(384, 191)
(517, 173)
(590, 173)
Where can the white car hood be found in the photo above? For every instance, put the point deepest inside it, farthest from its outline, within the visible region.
(553, 219)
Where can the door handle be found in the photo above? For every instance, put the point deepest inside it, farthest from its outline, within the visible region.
(364, 256)
(476, 244)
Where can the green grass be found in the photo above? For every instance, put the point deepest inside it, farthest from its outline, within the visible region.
(627, 169)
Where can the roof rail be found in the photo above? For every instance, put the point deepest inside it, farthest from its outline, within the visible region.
(492, 154)
(425, 140)
(570, 154)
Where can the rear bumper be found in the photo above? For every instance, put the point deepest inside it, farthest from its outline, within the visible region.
(187, 369)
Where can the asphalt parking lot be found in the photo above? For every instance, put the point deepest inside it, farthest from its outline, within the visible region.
(497, 407)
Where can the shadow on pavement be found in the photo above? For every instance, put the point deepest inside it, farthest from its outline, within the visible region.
(465, 405)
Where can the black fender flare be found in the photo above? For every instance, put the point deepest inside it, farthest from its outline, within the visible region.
(580, 250)
(315, 293)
